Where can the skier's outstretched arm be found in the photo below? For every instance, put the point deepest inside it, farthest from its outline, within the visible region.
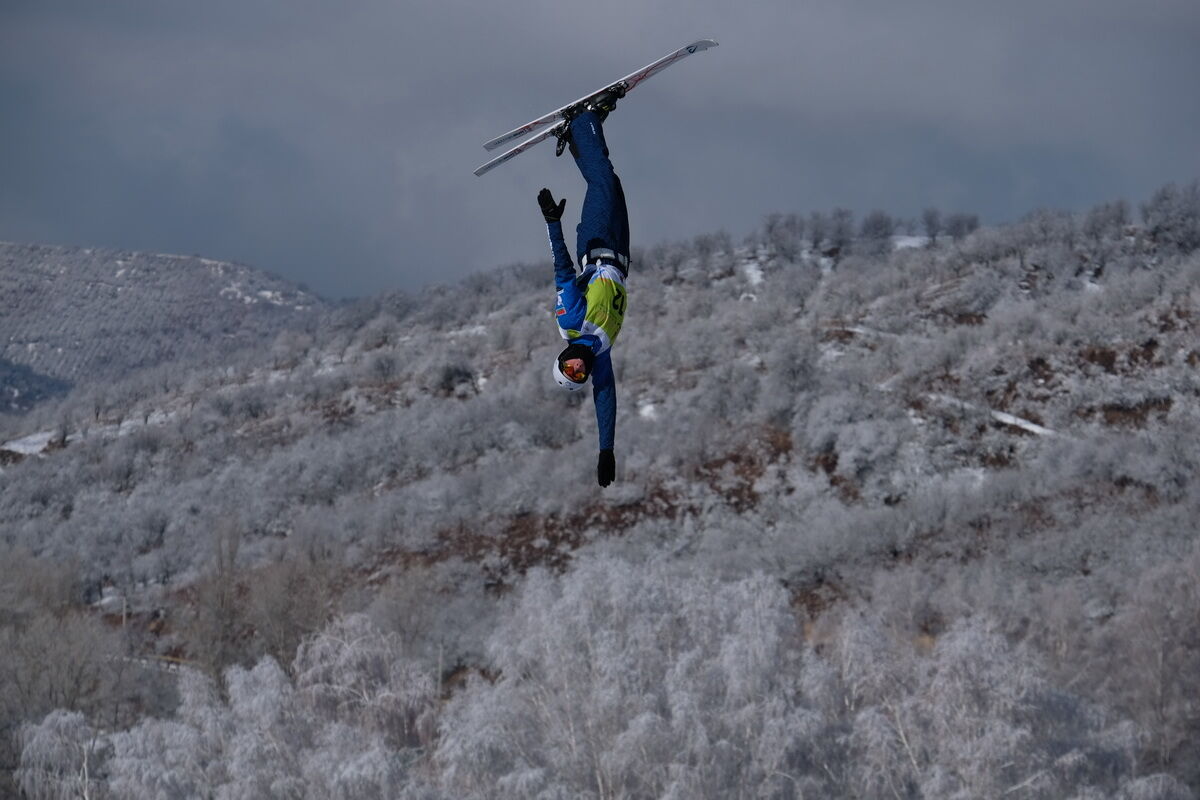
(564, 268)
(604, 393)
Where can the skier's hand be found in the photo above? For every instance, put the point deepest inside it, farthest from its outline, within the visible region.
(606, 468)
(551, 211)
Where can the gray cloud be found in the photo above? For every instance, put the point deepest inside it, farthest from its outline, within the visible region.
(334, 143)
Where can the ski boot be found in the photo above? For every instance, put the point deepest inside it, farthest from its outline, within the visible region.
(606, 101)
(600, 105)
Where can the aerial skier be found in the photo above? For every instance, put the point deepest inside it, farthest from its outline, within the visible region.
(591, 305)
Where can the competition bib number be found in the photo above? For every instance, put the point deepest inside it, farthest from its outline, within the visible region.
(618, 301)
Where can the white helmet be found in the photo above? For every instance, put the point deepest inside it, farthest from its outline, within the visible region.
(574, 350)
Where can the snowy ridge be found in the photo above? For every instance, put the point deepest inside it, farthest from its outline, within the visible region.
(76, 314)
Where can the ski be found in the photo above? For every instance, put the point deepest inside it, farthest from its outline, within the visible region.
(560, 114)
(521, 148)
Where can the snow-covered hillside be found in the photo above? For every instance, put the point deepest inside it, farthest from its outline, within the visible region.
(79, 314)
(892, 518)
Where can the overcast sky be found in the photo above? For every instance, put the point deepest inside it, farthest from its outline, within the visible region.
(334, 142)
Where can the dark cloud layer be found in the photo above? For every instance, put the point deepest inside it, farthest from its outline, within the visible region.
(333, 143)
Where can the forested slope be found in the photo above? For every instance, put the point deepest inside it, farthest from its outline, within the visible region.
(80, 315)
(911, 522)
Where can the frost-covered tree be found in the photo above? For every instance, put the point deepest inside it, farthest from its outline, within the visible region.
(345, 728)
(1103, 229)
(959, 224)
(876, 232)
(1106, 221)
(818, 229)
(974, 717)
(352, 673)
(784, 234)
(841, 230)
(49, 662)
(61, 759)
(379, 332)
(931, 223)
(289, 348)
(623, 680)
(1152, 659)
(1172, 216)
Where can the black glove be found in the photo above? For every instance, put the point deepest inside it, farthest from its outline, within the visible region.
(551, 211)
(606, 468)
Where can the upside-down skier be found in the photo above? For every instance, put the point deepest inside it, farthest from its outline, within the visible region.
(591, 305)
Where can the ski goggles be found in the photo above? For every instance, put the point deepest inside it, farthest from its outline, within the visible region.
(574, 369)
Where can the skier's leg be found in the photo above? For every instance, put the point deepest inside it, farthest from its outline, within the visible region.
(604, 221)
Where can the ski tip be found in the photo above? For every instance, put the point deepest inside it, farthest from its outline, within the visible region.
(703, 44)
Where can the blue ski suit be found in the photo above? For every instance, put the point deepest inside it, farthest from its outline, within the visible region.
(591, 305)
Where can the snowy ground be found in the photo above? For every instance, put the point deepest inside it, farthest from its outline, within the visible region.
(36, 443)
(909, 242)
(754, 273)
(29, 445)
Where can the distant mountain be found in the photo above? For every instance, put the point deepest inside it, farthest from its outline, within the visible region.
(72, 314)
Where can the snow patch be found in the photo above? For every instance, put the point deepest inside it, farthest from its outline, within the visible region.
(829, 353)
(272, 297)
(1023, 424)
(474, 330)
(999, 416)
(29, 445)
(909, 242)
(859, 330)
(647, 410)
(971, 477)
(159, 417)
(111, 601)
(754, 273)
(234, 292)
(328, 363)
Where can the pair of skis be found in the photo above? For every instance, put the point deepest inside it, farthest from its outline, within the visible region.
(561, 117)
